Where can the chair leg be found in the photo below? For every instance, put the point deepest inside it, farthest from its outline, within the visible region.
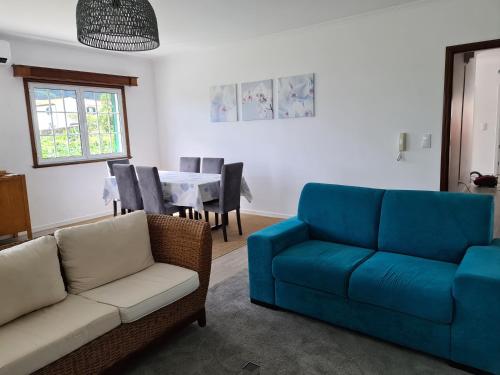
(190, 210)
(207, 217)
(202, 319)
(115, 208)
(216, 219)
(238, 218)
(123, 211)
(182, 212)
(224, 224)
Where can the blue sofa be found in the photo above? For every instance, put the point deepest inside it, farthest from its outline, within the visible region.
(416, 268)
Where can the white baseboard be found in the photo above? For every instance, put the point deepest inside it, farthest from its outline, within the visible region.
(266, 213)
(40, 228)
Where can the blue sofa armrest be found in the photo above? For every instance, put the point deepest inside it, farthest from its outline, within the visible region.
(263, 246)
(475, 332)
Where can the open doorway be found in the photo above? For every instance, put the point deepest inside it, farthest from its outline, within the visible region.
(471, 121)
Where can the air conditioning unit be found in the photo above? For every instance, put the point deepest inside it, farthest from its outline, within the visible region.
(5, 56)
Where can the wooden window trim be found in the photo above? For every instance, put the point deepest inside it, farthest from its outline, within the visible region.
(72, 76)
(68, 77)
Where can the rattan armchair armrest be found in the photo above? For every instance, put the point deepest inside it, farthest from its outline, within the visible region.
(182, 242)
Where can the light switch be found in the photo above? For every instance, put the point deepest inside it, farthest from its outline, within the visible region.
(427, 141)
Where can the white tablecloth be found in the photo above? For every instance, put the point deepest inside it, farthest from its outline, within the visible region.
(182, 188)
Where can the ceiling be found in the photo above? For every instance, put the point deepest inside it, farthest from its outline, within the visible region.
(190, 24)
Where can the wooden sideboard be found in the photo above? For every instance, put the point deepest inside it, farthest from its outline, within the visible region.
(14, 207)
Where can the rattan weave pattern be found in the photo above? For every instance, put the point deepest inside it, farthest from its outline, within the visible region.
(183, 242)
(117, 25)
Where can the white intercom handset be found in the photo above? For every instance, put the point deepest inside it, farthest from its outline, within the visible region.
(402, 146)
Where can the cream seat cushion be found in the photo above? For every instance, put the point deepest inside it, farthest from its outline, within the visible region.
(146, 291)
(30, 278)
(37, 339)
(96, 254)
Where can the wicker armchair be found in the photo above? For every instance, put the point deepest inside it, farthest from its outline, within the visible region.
(182, 242)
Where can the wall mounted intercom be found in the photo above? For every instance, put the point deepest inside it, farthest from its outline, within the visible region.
(402, 145)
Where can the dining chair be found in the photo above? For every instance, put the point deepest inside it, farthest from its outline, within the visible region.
(110, 164)
(189, 164)
(128, 188)
(229, 196)
(212, 165)
(152, 193)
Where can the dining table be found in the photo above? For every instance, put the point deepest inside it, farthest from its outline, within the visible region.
(184, 189)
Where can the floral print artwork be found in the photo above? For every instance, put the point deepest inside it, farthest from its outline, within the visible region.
(223, 104)
(257, 100)
(296, 96)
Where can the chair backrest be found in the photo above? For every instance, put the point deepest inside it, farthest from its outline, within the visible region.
(151, 191)
(345, 214)
(212, 165)
(111, 163)
(230, 186)
(190, 164)
(128, 187)
(435, 225)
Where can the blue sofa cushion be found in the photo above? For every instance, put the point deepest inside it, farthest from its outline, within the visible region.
(342, 214)
(435, 225)
(319, 265)
(415, 286)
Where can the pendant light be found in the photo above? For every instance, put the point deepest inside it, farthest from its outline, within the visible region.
(117, 25)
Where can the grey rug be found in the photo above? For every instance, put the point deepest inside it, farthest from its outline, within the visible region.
(239, 332)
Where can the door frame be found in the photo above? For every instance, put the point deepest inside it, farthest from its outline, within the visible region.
(448, 93)
(497, 153)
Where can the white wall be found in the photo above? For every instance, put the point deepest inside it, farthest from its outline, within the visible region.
(376, 75)
(486, 112)
(68, 193)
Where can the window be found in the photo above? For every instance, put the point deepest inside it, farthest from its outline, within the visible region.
(73, 124)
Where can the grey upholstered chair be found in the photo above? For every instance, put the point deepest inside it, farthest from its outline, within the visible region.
(212, 165)
(128, 187)
(229, 198)
(190, 165)
(110, 164)
(152, 193)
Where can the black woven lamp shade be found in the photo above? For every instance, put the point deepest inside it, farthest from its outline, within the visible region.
(117, 25)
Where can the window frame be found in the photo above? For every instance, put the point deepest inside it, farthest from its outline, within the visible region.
(79, 87)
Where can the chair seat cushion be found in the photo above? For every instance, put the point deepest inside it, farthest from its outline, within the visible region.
(212, 206)
(144, 292)
(319, 265)
(416, 286)
(43, 336)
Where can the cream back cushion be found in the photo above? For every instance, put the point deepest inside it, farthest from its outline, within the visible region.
(96, 254)
(30, 278)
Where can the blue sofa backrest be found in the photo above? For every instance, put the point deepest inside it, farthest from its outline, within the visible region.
(435, 225)
(343, 214)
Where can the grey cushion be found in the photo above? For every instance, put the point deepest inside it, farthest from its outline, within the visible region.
(212, 165)
(190, 164)
(230, 188)
(128, 187)
(152, 193)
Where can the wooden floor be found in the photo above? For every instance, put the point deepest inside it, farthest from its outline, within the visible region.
(228, 265)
